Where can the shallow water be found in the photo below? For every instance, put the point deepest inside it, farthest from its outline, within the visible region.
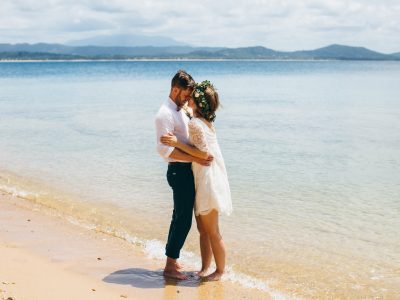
(311, 148)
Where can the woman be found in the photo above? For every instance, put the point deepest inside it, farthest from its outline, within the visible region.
(212, 187)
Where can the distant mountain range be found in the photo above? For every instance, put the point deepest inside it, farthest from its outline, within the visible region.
(127, 40)
(43, 51)
(396, 54)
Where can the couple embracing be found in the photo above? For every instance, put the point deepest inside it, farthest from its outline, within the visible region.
(186, 139)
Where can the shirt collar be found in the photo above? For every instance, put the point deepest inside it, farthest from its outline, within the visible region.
(170, 103)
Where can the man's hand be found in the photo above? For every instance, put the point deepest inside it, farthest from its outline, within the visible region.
(204, 162)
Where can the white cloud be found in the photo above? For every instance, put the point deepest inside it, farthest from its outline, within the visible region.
(283, 25)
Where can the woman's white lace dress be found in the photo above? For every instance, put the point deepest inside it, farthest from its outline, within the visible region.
(212, 186)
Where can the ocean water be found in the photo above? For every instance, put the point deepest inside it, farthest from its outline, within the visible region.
(312, 150)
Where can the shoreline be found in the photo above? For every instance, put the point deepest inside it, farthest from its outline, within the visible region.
(60, 259)
(192, 59)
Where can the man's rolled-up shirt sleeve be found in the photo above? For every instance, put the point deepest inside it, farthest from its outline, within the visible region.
(164, 125)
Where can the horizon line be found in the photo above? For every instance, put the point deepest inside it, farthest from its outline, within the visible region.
(191, 46)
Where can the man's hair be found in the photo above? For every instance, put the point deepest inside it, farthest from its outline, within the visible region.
(182, 80)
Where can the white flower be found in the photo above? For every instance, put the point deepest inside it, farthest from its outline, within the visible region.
(200, 104)
(196, 95)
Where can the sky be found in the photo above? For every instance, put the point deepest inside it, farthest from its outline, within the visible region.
(281, 25)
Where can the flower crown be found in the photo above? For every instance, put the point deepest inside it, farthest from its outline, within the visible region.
(201, 101)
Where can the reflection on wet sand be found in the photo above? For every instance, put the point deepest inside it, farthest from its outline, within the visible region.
(149, 279)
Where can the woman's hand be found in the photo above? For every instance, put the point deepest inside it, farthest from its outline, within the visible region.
(169, 140)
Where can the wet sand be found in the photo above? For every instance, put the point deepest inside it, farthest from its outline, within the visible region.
(43, 256)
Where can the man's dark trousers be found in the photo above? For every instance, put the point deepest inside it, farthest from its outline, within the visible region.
(180, 178)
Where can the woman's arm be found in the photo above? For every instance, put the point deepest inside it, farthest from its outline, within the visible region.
(172, 140)
(180, 155)
(192, 150)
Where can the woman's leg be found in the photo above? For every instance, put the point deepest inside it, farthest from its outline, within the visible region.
(210, 222)
(205, 248)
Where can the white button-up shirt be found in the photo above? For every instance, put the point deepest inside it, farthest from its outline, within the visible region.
(170, 120)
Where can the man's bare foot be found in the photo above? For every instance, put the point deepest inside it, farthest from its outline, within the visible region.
(179, 266)
(202, 273)
(213, 276)
(175, 274)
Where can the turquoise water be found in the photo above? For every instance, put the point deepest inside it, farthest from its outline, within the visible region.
(312, 151)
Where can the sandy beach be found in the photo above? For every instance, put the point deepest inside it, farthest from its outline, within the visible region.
(43, 256)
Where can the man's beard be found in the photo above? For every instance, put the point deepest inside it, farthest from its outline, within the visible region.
(179, 103)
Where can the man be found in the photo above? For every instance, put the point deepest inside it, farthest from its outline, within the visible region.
(172, 119)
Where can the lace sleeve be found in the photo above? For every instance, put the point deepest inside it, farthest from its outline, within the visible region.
(197, 136)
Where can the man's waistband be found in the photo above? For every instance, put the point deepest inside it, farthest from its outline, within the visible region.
(179, 164)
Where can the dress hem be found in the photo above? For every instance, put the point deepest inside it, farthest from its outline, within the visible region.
(206, 212)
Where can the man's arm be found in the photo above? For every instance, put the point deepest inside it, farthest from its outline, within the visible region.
(164, 125)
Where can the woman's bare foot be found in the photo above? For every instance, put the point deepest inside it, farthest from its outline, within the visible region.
(175, 274)
(214, 276)
(202, 273)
